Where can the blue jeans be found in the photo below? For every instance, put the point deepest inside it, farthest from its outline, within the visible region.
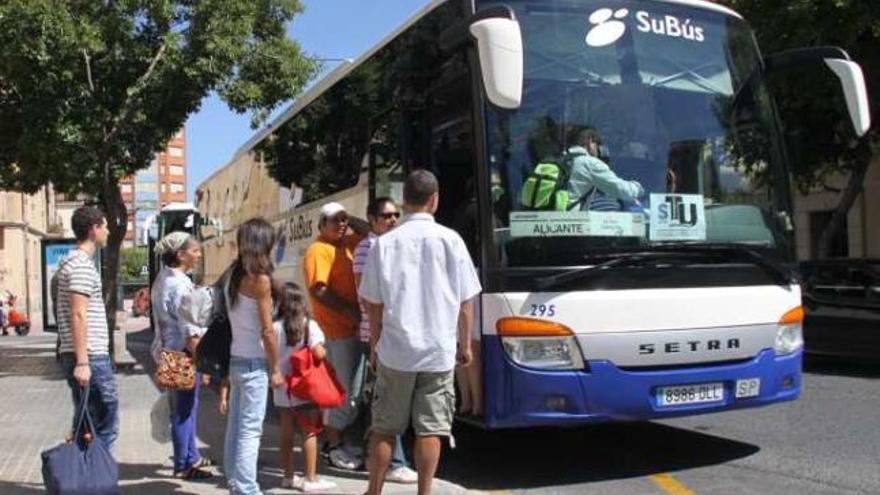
(184, 411)
(103, 398)
(249, 390)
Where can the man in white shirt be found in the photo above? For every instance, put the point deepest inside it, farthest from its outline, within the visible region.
(418, 283)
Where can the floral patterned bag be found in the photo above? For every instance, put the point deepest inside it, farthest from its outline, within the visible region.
(175, 370)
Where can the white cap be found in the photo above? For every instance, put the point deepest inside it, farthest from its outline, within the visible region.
(331, 209)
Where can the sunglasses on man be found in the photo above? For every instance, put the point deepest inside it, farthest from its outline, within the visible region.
(389, 216)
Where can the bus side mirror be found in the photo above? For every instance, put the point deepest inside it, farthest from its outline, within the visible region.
(499, 44)
(849, 73)
(151, 229)
(852, 81)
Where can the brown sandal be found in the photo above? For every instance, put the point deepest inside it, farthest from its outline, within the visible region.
(193, 473)
(204, 462)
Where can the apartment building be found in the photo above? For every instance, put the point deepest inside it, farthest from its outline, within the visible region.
(145, 193)
(163, 182)
(25, 220)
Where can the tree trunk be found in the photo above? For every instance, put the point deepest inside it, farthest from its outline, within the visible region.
(117, 223)
(847, 200)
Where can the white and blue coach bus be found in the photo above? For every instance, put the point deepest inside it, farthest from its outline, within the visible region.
(682, 302)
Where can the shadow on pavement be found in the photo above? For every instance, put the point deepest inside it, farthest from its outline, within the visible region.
(30, 356)
(12, 488)
(145, 488)
(839, 366)
(146, 479)
(211, 430)
(156, 487)
(138, 345)
(532, 458)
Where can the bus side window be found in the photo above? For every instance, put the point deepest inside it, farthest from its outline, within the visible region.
(387, 173)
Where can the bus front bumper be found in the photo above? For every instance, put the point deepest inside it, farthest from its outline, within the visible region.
(516, 396)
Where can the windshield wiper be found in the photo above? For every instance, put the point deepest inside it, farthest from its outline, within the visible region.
(781, 275)
(544, 283)
(628, 259)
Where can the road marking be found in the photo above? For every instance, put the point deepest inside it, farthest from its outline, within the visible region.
(671, 485)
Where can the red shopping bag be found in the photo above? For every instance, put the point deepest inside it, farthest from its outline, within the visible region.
(314, 381)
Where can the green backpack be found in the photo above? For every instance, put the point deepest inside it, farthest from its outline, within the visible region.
(546, 187)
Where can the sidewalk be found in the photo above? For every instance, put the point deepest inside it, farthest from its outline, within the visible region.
(35, 413)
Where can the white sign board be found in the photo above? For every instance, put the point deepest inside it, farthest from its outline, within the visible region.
(677, 217)
(576, 224)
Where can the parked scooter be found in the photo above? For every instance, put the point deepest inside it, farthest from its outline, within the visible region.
(15, 319)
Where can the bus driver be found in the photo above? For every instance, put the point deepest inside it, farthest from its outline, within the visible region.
(592, 184)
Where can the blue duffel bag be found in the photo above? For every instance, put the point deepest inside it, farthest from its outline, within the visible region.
(79, 467)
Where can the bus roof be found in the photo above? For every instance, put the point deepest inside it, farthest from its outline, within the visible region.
(179, 207)
(345, 68)
(704, 4)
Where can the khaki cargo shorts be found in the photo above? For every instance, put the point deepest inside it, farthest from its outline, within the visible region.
(424, 399)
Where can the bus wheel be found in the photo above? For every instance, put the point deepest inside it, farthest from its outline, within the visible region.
(23, 329)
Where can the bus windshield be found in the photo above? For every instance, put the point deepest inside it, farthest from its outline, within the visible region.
(642, 124)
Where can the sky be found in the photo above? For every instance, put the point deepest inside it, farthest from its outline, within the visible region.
(328, 29)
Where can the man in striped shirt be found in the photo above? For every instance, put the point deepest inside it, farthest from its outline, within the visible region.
(82, 326)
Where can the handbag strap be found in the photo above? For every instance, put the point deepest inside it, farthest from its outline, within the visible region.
(84, 416)
(306, 346)
(222, 288)
(306, 335)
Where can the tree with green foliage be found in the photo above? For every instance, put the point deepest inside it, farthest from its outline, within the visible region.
(90, 90)
(819, 135)
(132, 262)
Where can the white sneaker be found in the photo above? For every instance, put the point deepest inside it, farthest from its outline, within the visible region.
(402, 475)
(319, 485)
(340, 458)
(294, 482)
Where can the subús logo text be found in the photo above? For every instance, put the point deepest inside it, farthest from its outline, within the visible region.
(608, 26)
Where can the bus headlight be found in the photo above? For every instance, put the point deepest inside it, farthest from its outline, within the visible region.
(789, 334)
(554, 353)
(540, 344)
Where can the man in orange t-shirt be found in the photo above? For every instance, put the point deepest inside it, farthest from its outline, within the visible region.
(329, 278)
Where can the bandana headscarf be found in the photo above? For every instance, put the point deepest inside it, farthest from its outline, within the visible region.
(172, 242)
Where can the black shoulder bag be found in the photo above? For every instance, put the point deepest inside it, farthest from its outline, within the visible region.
(212, 353)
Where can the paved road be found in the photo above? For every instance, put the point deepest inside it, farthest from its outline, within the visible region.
(828, 442)
(35, 411)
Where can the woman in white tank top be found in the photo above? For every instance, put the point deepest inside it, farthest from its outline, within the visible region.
(253, 363)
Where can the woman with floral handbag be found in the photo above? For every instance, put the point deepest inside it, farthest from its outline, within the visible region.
(176, 340)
